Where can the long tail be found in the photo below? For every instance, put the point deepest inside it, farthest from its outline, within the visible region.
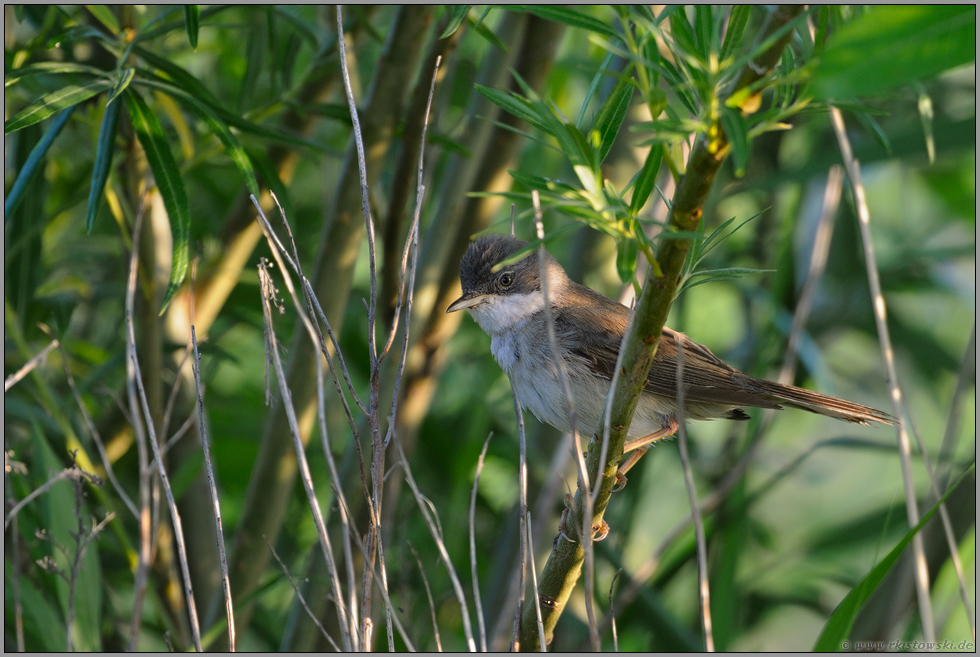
(815, 402)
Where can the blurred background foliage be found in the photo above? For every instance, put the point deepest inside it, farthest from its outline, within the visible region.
(208, 103)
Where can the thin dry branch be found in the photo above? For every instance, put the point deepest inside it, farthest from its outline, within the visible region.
(302, 600)
(542, 644)
(480, 622)
(96, 436)
(428, 594)
(702, 549)
(12, 380)
(884, 339)
(222, 559)
(171, 502)
(431, 520)
(268, 299)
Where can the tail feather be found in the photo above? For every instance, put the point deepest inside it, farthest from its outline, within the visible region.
(816, 402)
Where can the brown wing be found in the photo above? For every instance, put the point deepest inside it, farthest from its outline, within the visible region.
(596, 330)
(597, 326)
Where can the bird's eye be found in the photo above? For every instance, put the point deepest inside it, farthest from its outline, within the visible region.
(506, 279)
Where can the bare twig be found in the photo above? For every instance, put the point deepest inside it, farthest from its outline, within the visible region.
(818, 262)
(15, 560)
(884, 339)
(375, 549)
(703, 591)
(481, 623)
(96, 437)
(428, 594)
(12, 380)
(522, 552)
(612, 610)
(142, 456)
(431, 520)
(171, 502)
(586, 531)
(299, 596)
(542, 644)
(82, 541)
(223, 561)
(268, 298)
(37, 492)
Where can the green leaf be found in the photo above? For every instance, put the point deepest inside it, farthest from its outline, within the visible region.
(105, 16)
(229, 118)
(103, 160)
(192, 20)
(171, 187)
(703, 23)
(596, 79)
(646, 179)
(33, 162)
(573, 18)
(516, 105)
(737, 20)
(122, 81)
(626, 252)
(840, 622)
(737, 132)
(891, 46)
(455, 20)
(53, 103)
(869, 123)
(611, 117)
(51, 68)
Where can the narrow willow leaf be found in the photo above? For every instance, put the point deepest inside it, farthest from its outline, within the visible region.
(626, 253)
(596, 79)
(702, 28)
(869, 123)
(231, 143)
(515, 105)
(455, 20)
(192, 21)
(738, 136)
(33, 162)
(103, 159)
(646, 179)
(51, 68)
(840, 622)
(148, 79)
(53, 103)
(105, 16)
(611, 117)
(125, 77)
(737, 21)
(171, 187)
(574, 19)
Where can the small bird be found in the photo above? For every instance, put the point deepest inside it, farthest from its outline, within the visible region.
(508, 303)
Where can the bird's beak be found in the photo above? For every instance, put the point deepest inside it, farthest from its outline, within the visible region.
(466, 301)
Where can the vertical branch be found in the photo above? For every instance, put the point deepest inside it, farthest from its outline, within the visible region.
(374, 548)
(268, 297)
(703, 591)
(143, 556)
(481, 623)
(162, 472)
(515, 641)
(884, 338)
(542, 644)
(223, 561)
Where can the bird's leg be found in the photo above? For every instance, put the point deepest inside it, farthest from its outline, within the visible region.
(638, 448)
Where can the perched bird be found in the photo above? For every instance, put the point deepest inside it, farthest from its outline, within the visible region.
(508, 303)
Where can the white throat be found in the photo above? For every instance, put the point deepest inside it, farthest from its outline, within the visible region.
(499, 314)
